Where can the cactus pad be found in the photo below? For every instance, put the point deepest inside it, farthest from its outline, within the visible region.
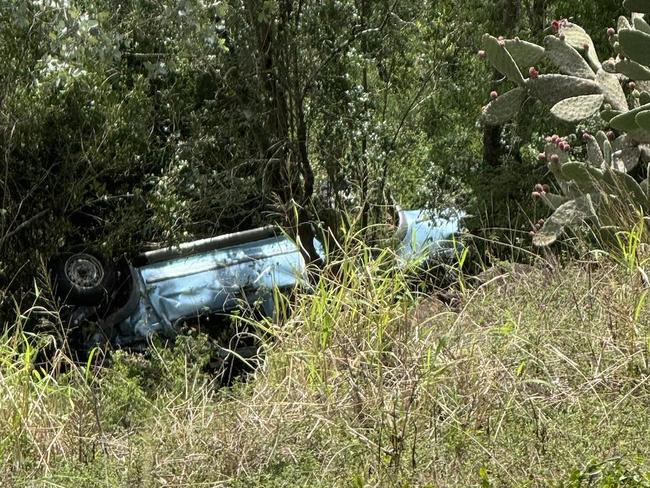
(641, 25)
(624, 185)
(611, 88)
(577, 108)
(640, 136)
(645, 184)
(623, 23)
(643, 120)
(594, 153)
(505, 107)
(606, 147)
(609, 114)
(501, 59)
(576, 36)
(567, 59)
(626, 121)
(626, 159)
(635, 45)
(644, 98)
(570, 213)
(632, 69)
(524, 53)
(553, 88)
(553, 201)
(583, 175)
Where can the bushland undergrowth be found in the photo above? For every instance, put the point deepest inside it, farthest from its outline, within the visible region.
(534, 376)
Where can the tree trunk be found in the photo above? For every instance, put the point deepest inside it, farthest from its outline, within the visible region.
(285, 124)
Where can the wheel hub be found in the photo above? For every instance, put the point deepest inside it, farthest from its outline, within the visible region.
(84, 270)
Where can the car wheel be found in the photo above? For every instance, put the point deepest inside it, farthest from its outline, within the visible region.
(83, 278)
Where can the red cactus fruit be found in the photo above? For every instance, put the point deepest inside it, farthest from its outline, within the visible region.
(545, 189)
(539, 188)
(586, 137)
(533, 73)
(541, 157)
(531, 233)
(482, 55)
(611, 135)
(536, 195)
(494, 95)
(555, 25)
(632, 85)
(562, 37)
(555, 138)
(555, 158)
(611, 32)
(585, 46)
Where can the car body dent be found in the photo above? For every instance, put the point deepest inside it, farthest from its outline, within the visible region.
(215, 280)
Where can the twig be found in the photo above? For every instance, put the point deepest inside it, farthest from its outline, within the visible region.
(20, 227)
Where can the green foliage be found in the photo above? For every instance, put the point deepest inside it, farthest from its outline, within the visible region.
(152, 123)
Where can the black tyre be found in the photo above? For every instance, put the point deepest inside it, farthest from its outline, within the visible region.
(83, 278)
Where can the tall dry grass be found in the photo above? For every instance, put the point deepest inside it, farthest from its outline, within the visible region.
(535, 376)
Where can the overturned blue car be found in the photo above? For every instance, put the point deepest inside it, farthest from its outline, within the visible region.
(158, 292)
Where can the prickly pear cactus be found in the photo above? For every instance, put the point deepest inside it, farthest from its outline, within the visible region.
(618, 90)
(570, 213)
(580, 89)
(589, 188)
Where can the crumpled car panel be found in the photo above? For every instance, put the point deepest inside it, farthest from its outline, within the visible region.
(211, 281)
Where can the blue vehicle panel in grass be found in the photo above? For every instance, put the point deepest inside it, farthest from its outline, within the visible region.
(428, 237)
(217, 280)
(222, 274)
